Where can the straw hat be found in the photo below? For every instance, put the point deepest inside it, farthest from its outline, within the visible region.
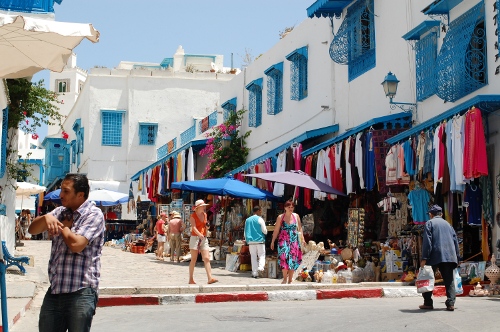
(199, 203)
(175, 214)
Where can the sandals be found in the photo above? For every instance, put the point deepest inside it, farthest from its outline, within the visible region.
(213, 281)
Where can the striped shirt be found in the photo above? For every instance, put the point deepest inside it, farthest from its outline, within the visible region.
(68, 271)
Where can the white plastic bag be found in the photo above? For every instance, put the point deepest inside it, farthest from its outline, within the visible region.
(458, 282)
(425, 279)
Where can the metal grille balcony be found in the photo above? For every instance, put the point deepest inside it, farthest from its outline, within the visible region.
(461, 63)
(188, 135)
(425, 54)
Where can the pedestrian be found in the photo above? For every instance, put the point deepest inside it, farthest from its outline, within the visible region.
(440, 250)
(288, 230)
(77, 229)
(160, 235)
(176, 227)
(198, 241)
(255, 231)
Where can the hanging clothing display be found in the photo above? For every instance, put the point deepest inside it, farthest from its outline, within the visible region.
(475, 159)
(419, 200)
(369, 164)
(279, 188)
(474, 198)
(190, 165)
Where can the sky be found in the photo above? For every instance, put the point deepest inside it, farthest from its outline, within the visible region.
(152, 32)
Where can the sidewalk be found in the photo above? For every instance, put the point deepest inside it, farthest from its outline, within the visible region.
(140, 279)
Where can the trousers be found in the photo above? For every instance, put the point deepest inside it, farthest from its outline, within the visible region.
(71, 312)
(175, 245)
(258, 257)
(446, 269)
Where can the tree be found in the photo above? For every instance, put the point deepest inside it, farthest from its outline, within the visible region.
(31, 105)
(225, 147)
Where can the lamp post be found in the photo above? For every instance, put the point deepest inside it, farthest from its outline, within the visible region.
(390, 85)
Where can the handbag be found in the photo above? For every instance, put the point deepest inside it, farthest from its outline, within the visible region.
(458, 282)
(425, 279)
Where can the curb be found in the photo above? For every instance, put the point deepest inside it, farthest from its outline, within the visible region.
(285, 295)
(18, 315)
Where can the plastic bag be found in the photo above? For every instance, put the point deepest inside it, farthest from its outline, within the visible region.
(458, 282)
(425, 279)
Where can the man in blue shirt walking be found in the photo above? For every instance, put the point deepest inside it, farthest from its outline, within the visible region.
(255, 230)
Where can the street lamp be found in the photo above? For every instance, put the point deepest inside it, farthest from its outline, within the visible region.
(390, 85)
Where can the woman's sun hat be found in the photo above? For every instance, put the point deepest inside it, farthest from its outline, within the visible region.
(199, 203)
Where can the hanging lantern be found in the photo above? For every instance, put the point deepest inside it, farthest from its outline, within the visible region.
(34, 136)
(65, 135)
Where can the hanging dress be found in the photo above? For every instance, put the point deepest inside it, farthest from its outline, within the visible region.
(289, 253)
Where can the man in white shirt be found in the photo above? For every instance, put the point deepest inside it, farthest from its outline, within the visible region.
(255, 231)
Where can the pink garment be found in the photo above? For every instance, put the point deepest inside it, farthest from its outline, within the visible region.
(268, 168)
(441, 151)
(475, 159)
(307, 192)
(297, 157)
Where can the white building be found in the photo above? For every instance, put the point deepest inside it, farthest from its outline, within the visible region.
(124, 115)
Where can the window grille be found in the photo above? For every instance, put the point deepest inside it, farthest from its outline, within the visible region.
(147, 133)
(188, 134)
(461, 63)
(274, 89)
(298, 75)
(255, 103)
(73, 151)
(425, 58)
(228, 107)
(112, 128)
(354, 43)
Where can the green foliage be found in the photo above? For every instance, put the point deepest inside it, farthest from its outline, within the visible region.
(32, 101)
(225, 147)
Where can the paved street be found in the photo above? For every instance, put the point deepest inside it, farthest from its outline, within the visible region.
(330, 315)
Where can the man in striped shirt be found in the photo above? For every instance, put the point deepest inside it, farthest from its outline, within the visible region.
(77, 229)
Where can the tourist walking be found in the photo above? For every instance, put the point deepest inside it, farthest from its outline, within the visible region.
(198, 241)
(161, 235)
(288, 231)
(440, 250)
(77, 230)
(255, 231)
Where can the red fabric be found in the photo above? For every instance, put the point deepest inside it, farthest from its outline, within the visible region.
(475, 159)
(159, 226)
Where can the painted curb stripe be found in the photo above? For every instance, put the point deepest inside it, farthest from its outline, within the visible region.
(231, 297)
(322, 294)
(112, 301)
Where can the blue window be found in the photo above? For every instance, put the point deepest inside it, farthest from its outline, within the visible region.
(147, 133)
(461, 63)
(228, 107)
(112, 127)
(298, 75)
(425, 58)
(274, 88)
(354, 43)
(73, 151)
(255, 103)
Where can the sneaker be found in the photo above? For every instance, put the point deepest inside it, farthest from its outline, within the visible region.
(450, 308)
(426, 307)
(255, 277)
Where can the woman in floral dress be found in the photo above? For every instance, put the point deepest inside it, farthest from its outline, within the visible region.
(288, 230)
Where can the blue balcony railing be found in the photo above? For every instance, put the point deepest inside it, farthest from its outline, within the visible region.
(188, 135)
(29, 6)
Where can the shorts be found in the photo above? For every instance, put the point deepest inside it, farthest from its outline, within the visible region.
(161, 238)
(193, 243)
